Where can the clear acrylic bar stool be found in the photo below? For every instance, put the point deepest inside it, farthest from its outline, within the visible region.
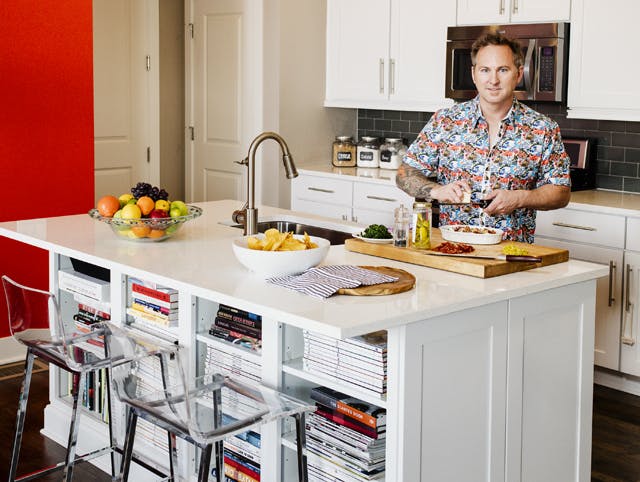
(35, 321)
(204, 412)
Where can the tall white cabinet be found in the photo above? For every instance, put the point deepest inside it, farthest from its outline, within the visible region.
(387, 54)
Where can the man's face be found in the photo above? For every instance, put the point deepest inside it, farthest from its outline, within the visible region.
(496, 75)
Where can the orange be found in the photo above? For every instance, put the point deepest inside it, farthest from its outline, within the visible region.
(108, 205)
(157, 233)
(141, 230)
(146, 205)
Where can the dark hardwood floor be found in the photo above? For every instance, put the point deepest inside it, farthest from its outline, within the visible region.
(615, 455)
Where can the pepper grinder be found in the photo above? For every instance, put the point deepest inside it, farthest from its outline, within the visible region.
(402, 221)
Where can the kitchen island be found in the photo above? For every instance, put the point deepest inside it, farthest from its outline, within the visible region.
(487, 379)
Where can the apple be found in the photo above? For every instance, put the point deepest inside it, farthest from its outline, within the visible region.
(184, 210)
(158, 213)
(175, 212)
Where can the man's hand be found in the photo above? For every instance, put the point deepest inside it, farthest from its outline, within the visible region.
(452, 193)
(543, 198)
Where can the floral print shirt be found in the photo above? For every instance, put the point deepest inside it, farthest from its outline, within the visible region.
(529, 153)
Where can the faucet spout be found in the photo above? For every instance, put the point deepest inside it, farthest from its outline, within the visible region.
(250, 212)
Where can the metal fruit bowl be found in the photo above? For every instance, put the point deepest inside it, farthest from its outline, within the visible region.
(147, 229)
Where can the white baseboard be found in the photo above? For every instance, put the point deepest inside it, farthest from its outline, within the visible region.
(11, 351)
(617, 381)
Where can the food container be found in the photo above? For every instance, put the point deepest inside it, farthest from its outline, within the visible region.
(421, 225)
(344, 152)
(391, 153)
(462, 233)
(368, 152)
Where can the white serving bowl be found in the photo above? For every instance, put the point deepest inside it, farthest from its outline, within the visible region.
(452, 232)
(280, 263)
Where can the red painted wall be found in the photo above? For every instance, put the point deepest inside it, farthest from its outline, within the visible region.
(46, 123)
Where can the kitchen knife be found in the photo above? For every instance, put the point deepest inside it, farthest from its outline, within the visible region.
(483, 203)
(499, 257)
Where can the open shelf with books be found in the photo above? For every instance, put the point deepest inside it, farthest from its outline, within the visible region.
(153, 308)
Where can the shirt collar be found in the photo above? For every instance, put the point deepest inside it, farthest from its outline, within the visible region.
(512, 116)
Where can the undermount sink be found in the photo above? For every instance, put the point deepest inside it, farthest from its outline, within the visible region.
(334, 236)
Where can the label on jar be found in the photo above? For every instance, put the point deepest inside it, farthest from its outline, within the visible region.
(385, 156)
(344, 156)
(366, 156)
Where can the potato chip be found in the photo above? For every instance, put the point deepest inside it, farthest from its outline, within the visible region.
(274, 240)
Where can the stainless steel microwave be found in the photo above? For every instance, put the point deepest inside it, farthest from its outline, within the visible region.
(545, 49)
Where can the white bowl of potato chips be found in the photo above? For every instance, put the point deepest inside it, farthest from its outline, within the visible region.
(273, 253)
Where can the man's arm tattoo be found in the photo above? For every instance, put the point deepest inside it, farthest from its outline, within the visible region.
(414, 183)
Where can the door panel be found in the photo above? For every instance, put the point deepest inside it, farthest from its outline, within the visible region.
(121, 111)
(223, 66)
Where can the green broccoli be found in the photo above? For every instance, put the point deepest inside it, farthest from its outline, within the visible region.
(377, 231)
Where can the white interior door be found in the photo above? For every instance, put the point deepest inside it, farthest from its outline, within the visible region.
(122, 110)
(225, 69)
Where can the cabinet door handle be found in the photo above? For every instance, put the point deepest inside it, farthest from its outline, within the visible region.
(392, 76)
(627, 303)
(382, 76)
(318, 189)
(501, 10)
(515, 7)
(380, 198)
(354, 219)
(344, 217)
(612, 270)
(626, 316)
(573, 226)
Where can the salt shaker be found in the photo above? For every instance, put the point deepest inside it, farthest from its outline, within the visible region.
(402, 221)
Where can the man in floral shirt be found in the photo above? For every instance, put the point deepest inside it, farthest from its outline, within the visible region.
(491, 148)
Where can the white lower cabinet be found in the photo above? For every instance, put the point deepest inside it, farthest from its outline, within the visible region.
(630, 346)
(347, 198)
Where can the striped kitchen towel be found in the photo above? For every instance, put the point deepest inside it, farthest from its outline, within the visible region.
(324, 281)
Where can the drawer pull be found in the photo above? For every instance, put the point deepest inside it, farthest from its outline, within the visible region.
(627, 316)
(318, 189)
(379, 198)
(573, 226)
(612, 270)
(627, 280)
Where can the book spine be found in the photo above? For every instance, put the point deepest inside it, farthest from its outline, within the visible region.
(166, 295)
(342, 420)
(147, 309)
(171, 305)
(241, 320)
(84, 285)
(104, 306)
(90, 309)
(237, 311)
(148, 317)
(240, 328)
(156, 307)
(234, 474)
(240, 467)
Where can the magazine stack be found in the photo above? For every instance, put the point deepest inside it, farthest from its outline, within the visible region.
(242, 457)
(345, 438)
(359, 361)
(238, 327)
(90, 306)
(153, 306)
(223, 360)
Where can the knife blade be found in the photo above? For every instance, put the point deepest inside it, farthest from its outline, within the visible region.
(499, 257)
(483, 203)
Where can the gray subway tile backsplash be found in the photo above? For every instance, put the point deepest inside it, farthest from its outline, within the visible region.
(618, 142)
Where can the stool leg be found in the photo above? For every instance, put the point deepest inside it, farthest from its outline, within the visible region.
(125, 464)
(78, 384)
(205, 462)
(112, 440)
(217, 422)
(22, 408)
(173, 454)
(301, 445)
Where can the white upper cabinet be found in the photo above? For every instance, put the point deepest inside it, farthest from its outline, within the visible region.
(479, 12)
(602, 60)
(387, 54)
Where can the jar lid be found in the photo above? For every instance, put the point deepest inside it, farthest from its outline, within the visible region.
(392, 139)
(343, 138)
(369, 138)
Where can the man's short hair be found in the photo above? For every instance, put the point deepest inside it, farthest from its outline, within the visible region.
(493, 38)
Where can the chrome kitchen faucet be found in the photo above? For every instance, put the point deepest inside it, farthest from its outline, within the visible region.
(248, 215)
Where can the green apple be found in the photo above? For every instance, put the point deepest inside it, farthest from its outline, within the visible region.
(124, 199)
(180, 205)
(175, 212)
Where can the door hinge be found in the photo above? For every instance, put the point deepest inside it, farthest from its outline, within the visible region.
(148, 153)
(190, 27)
(148, 60)
(192, 133)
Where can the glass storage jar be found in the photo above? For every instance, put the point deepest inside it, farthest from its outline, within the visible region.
(421, 225)
(368, 152)
(391, 153)
(344, 152)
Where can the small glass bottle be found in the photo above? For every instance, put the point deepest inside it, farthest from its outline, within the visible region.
(401, 225)
(391, 153)
(368, 152)
(344, 152)
(421, 225)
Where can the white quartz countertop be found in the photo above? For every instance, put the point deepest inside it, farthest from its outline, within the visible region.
(199, 258)
(625, 204)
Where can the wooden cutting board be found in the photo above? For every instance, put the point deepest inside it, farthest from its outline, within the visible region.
(480, 268)
(405, 282)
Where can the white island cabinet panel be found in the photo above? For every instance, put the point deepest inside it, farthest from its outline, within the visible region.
(453, 380)
(550, 379)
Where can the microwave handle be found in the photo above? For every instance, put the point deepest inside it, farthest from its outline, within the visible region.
(529, 71)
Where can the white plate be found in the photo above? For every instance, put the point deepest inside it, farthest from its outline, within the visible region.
(373, 240)
(450, 234)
